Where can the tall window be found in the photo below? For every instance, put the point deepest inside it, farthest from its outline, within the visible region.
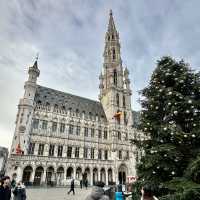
(99, 133)
(117, 99)
(92, 132)
(99, 154)
(78, 130)
(106, 154)
(60, 150)
(51, 150)
(124, 101)
(31, 148)
(113, 54)
(120, 154)
(126, 136)
(77, 152)
(125, 119)
(62, 127)
(119, 135)
(85, 153)
(41, 149)
(54, 126)
(69, 152)
(35, 123)
(105, 134)
(115, 77)
(127, 155)
(44, 124)
(71, 127)
(92, 153)
(86, 132)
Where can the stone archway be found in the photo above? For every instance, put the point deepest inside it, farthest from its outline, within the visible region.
(50, 176)
(38, 175)
(122, 173)
(86, 176)
(69, 172)
(27, 172)
(103, 175)
(110, 176)
(60, 176)
(95, 176)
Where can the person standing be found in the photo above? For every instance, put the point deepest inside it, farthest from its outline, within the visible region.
(86, 184)
(19, 192)
(5, 190)
(72, 187)
(81, 184)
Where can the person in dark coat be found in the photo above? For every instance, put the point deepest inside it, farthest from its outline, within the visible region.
(5, 190)
(19, 192)
(72, 187)
(97, 192)
(81, 183)
(86, 183)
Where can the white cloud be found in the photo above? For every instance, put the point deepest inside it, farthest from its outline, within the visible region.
(69, 36)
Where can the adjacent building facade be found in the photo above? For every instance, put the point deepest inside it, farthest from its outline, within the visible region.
(61, 135)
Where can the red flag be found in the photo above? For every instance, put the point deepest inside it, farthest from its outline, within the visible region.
(18, 149)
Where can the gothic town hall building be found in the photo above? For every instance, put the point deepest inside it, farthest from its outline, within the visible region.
(60, 135)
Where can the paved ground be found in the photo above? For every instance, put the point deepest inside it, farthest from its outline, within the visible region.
(56, 194)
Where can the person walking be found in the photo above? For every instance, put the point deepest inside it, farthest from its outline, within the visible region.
(72, 187)
(19, 192)
(81, 183)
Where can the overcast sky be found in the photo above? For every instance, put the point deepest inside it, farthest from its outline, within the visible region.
(69, 36)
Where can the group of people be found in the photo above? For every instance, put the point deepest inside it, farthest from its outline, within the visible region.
(10, 189)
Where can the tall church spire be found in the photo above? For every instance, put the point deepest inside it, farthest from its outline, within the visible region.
(111, 24)
(112, 45)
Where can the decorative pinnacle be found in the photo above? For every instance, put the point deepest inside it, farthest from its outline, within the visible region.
(110, 11)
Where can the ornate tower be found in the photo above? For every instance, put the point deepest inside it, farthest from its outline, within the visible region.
(115, 92)
(20, 141)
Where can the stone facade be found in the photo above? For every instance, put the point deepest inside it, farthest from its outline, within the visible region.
(3, 160)
(62, 135)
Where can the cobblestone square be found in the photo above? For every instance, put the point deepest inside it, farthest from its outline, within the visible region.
(56, 194)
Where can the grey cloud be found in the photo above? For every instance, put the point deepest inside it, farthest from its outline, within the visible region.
(69, 36)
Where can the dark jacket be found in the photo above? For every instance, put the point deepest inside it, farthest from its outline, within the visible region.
(5, 193)
(97, 194)
(72, 184)
(19, 193)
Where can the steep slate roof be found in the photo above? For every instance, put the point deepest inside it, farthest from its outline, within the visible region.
(70, 101)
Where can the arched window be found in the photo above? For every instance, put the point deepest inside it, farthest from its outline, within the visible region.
(125, 118)
(77, 112)
(113, 37)
(115, 77)
(113, 54)
(124, 101)
(108, 38)
(117, 99)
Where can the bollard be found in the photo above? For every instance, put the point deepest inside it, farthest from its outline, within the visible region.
(118, 196)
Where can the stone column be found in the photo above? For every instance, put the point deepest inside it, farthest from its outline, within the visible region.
(74, 175)
(99, 174)
(19, 174)
(36, 149)
(106, 177)
(91, 177)
(44, 177)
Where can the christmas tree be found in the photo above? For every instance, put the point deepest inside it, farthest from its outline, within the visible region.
(170, 121)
